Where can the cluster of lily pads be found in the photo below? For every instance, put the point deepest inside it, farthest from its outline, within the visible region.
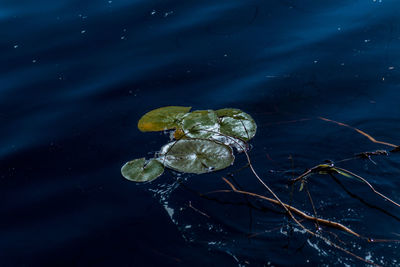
(201, 141)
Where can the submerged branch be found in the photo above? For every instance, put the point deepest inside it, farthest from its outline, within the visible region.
(369, 185)
(294, 210)
(308, 217)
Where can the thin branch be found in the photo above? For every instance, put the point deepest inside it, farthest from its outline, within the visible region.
(360, 132)
(329, 169)
(312, 204)
(197, 210)
(362, 200)
(294, 210)
(369, 185)
(322, 221)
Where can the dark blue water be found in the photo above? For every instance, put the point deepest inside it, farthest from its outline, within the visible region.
(75, 77)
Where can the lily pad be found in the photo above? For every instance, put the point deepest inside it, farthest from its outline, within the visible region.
(234, 122)
(164, 118)
(138, 171)
(200, 124)
(196, 156)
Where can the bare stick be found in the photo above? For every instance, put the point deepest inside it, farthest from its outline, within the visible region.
(369, 185)
(359, 131)
(322, 221)
(197, 210)
(288, 208)
(312, 204)
(294, 210)
(330, 169)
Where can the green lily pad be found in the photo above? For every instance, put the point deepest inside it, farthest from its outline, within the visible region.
(234, 122)
(164, 118)
(138, 171)
(196, 156)
(200, 124)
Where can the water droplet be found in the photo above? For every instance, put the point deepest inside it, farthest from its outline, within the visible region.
(166, 14)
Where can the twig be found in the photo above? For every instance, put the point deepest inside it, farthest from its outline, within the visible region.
(322, 221)
(329, 169)
(362, 200)
(289, 208)
(202, 213)
(369, 185)
(312, 204)
(361, 132)
(294, 210)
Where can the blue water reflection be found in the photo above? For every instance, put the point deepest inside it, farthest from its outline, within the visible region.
(77, 75)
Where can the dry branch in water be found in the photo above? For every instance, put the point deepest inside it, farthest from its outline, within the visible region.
(361, 132)
(336, 225)
(330, 169)
(290, 209)
(308, 217)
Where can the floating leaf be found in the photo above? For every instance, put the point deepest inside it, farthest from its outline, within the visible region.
(196, 156)
(200, 124)
(162, 118)
(138, 171)
(234, 122)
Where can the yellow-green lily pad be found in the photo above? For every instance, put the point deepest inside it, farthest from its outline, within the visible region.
(138, 171)
(236, 123)
(196, 156)
(164, 118)
(200, 124)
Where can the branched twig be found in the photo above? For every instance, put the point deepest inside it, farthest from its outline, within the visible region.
(308, 217)
(293, 209)
(329, 169)
(369, 185)
(261, 181)
(323, 168)
(362, 200)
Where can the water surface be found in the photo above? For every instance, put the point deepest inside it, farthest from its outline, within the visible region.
(77, 75)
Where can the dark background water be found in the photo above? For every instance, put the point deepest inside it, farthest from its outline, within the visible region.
(75, 77)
